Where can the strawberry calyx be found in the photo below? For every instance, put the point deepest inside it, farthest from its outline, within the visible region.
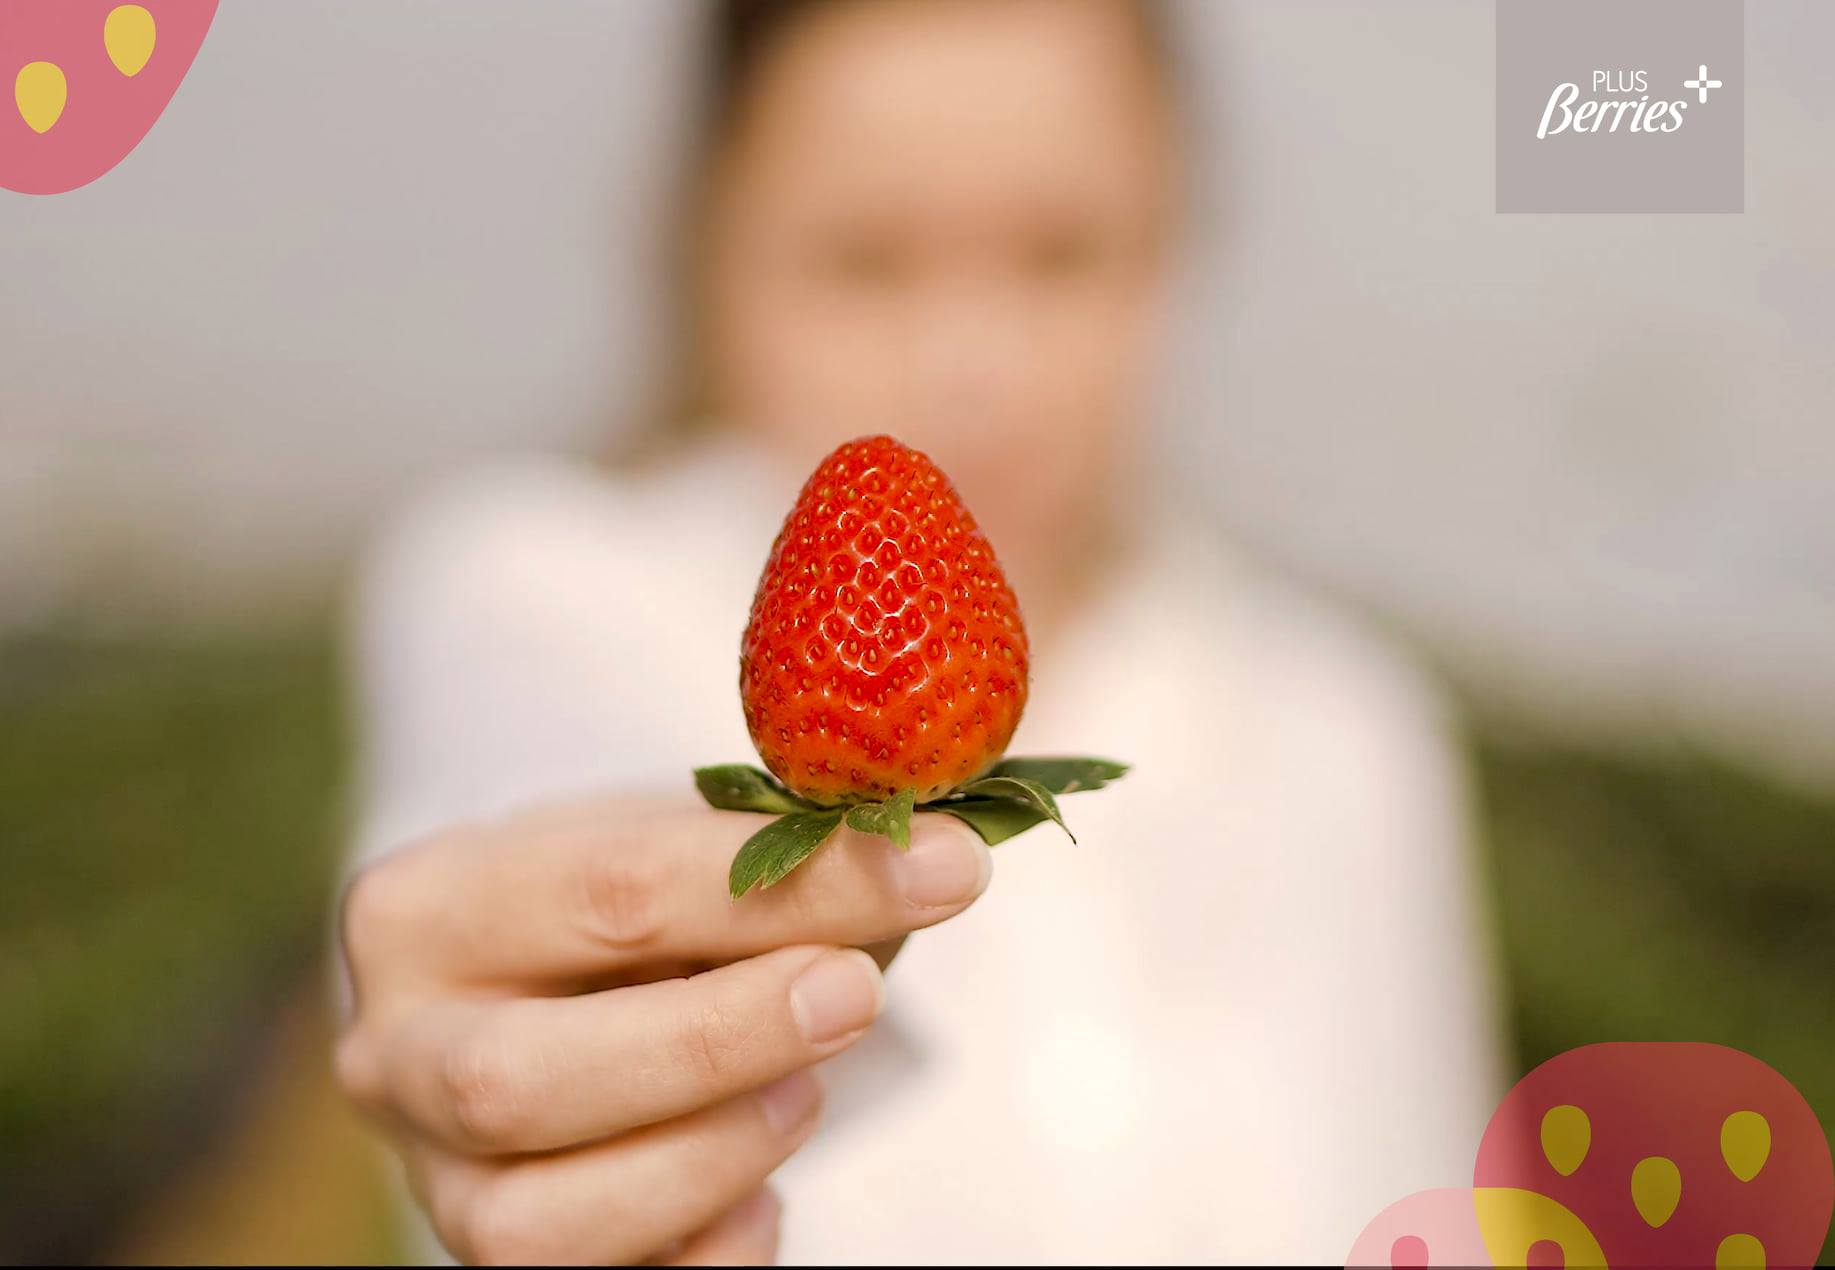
(1010, 798)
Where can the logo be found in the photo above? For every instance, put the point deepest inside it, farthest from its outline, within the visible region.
(1646, 116)
(88, 80)
(1620, 106)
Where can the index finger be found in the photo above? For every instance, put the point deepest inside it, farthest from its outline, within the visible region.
(604, 890)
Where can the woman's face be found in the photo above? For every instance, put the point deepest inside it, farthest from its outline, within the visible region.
(944, 219)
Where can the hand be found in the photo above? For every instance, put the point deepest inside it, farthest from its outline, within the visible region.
(585, 1052)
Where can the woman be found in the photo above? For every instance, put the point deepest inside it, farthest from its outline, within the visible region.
(1244, 1015)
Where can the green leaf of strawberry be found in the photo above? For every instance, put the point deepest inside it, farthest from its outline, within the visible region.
(995, 819)
(1063, 775)
(1018, 789)
(998, 806)
(737, 787)
(768, 855)
(890, 819)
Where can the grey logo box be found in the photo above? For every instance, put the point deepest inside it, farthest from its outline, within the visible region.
(1621, 106)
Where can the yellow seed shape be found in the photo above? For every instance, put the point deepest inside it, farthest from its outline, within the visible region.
(1656, 1189)
(40, 93)
(1745, 1143)
(128, 34)
(1512, 1221)
(1566, 1135)
(1739, 1252)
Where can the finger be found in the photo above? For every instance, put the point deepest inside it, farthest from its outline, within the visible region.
(623, 1200)
(582, 896)
(541, 1073)
(745, 1235)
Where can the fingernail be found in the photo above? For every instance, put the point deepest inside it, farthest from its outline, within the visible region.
(788, 1102)
(837, 993)
(947, 864)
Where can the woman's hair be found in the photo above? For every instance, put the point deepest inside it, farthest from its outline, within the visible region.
(741, 33)
(738, 40)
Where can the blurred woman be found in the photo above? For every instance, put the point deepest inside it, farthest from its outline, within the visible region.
(1248, 1012)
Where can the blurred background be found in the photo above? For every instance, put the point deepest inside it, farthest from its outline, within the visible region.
(1585, 464)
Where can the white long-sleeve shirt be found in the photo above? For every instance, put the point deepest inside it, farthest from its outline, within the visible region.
(1248, 1011)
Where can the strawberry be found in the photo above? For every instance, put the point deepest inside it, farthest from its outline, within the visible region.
(885, 649)
(884, 667)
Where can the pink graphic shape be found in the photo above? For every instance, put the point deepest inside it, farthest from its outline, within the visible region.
(106, 111)
(1429, 1228)
(1669, 1127)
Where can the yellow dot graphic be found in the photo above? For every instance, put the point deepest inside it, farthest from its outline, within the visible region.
(1745, 1144)
(128, 36)
(1566, 1135)
(40, 92)
(1739, 1252)
(1656, 1189)
(1512, 1221)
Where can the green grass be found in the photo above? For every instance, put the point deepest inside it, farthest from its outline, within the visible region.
(1664, 896)
(167, 838)
(169, 828)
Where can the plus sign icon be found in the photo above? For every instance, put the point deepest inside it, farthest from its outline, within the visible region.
(1702, 83)
(1610, 105)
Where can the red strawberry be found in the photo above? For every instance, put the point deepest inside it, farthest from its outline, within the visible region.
(884, 666)
(885, 649)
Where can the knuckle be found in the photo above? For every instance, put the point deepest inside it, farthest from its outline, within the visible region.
(486, 1092)
(355, 1066)
(500, 1227)
(390, 896)
(713, 1044)
(624, 898)
(813, 905)
(375, 904)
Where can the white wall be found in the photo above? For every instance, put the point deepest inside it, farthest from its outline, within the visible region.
(1593, 455)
